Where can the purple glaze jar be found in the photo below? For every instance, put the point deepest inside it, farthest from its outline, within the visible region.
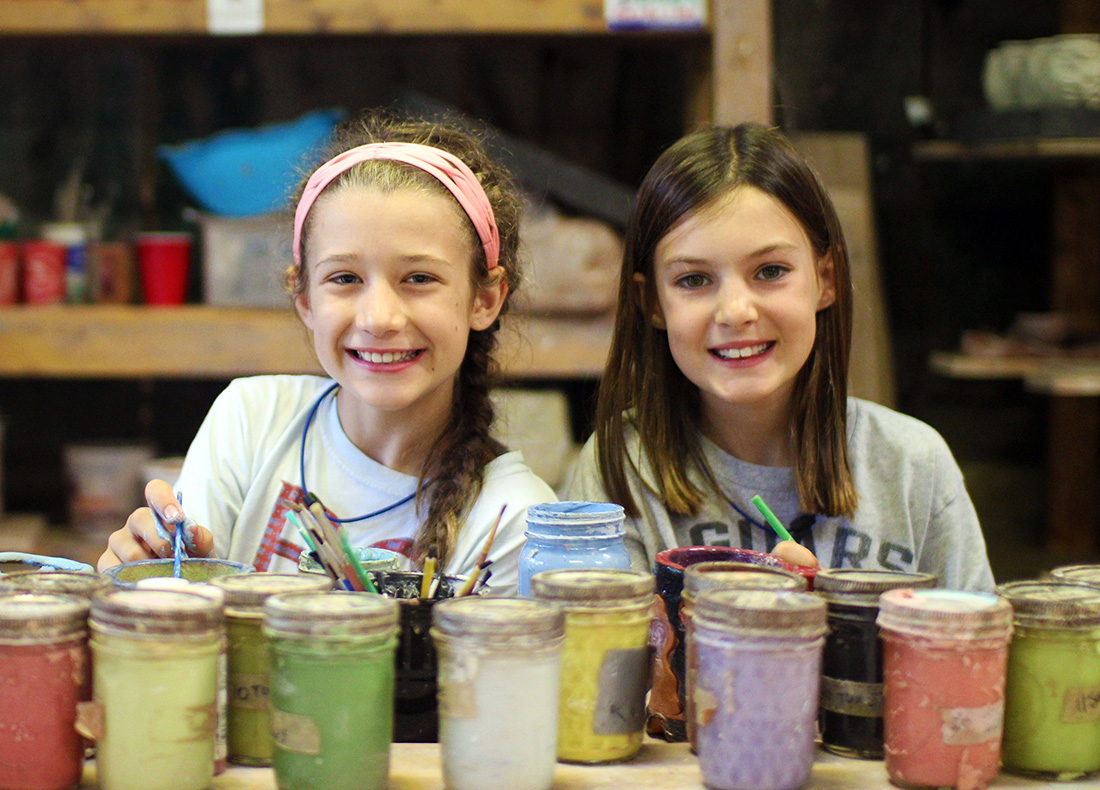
(758, 667)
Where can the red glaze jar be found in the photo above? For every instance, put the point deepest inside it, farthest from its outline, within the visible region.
(43, 667)
(945, 655)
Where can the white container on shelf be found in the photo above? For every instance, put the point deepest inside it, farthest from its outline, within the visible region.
(104, 483)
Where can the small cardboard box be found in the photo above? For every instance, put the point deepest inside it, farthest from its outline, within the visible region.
(244, 260)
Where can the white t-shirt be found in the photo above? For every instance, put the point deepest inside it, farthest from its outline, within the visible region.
(242, 470)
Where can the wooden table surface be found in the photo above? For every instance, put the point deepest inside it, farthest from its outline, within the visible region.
(660, 766)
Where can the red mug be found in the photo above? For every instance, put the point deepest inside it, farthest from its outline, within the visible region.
(165, 263)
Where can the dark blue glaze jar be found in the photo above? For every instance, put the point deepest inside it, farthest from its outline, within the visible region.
(572, 535)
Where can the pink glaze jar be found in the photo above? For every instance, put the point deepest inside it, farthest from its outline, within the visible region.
(43, 667)
(945, 654)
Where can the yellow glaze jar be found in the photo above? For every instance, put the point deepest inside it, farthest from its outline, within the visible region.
(605, 660)
(155, 668)
(248, 729)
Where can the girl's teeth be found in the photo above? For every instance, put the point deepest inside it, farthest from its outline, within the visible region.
(741, 353)
(381, 359)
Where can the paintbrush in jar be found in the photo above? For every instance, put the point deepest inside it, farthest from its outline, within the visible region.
(471, 580)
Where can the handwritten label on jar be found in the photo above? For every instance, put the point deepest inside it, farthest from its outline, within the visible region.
(248, 691)
(620, 695)
(851, 698)
(457, 696)
(968, 726)
(1081, 704)
(295, 733)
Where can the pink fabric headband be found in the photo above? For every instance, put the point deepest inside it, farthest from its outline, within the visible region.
(451, 171)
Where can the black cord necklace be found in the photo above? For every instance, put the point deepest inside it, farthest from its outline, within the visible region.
(309, 497)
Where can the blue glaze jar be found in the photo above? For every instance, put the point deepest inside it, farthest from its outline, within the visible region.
(572, 535)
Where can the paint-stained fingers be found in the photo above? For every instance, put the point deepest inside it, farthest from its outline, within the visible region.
(198, 539)
(796, 554)
(108, 559)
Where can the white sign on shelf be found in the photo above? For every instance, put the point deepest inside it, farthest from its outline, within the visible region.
(655, 14)
(235, 17)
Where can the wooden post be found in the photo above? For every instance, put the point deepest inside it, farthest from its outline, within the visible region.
(742, 61)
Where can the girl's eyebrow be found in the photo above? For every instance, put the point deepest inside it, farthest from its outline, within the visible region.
(771, 249)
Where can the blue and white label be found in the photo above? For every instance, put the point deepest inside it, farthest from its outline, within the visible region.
(655, 14)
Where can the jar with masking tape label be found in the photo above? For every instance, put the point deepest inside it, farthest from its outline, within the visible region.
(155, 688)
(43, 675)
(1052, 696)
(248, 726)
(850, 714)
(331, 688)
(944, 659)
(758, 663)
(605, 660)
(719, 575)
(499, 686)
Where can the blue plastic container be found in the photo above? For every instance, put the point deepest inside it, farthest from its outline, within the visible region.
(572, 535)
(244, 172)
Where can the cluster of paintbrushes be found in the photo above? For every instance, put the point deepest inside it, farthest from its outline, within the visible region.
(330, 545)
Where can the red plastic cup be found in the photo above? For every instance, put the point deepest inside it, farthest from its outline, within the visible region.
(165, 263)
(9, 272)
(44, 272)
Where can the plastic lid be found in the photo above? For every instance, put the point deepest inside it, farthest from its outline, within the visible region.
(1053, 604)
(80, 583)
(329, 614)
(590, 586)
(1082, 574)
(858, 587)
(156, 612)
(778, 613)
(945, 613)
(500, 621)
(27, 618)
(250, 590)
(739, 575)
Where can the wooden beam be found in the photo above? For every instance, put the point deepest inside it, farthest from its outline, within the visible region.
(82, 17)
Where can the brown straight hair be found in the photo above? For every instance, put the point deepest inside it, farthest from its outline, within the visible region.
(453, 472)
(642, 383)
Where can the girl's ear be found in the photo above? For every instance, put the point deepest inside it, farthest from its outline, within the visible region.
(489, 300)
(650, 307)
(305, 312)
(826, 278)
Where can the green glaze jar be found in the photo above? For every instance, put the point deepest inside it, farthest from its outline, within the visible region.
(248, 729)
(332, 684)
(1052, 696)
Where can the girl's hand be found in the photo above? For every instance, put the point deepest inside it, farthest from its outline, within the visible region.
(142, 538)
(795, 554)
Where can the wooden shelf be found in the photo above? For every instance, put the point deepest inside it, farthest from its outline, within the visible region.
(1063, 377)
(91, 17)
(1027, 148)
(198, 341)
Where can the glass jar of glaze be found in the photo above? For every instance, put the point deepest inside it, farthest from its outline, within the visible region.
(721, 576)
(850, 713)
(604, 661)
(572, 535)
(1052, 697)
(944, 659)
(248, 665)
(499, 686)
(331, 688)
(758, 663)
(79, 583)
(155, 672)
(1078, 574)
(43, 670)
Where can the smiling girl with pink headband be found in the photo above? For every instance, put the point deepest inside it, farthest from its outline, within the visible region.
(405, 252)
